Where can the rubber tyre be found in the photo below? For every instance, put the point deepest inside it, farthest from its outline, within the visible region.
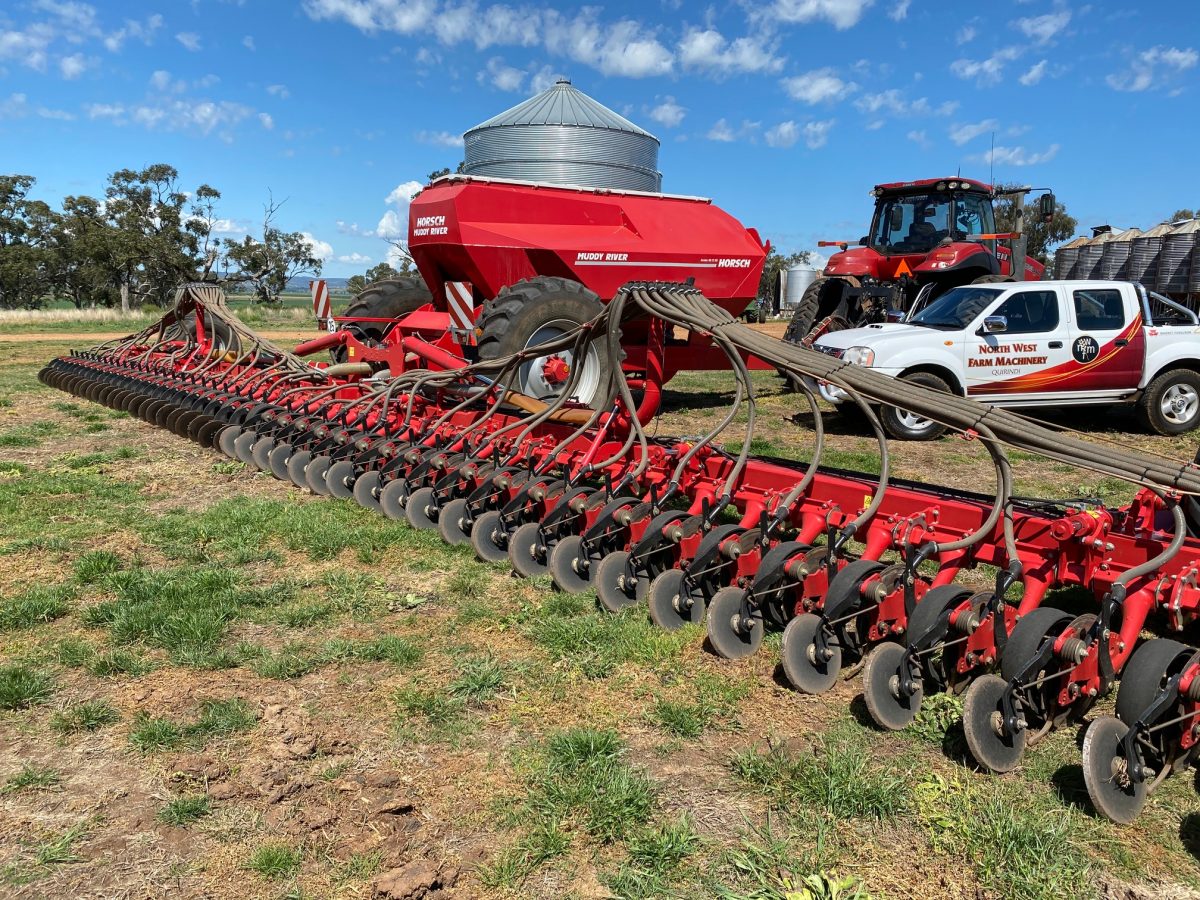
(417, 510)
(664, 599)
(509, 321)
(1101, 744)
(888, 709)
(896, 427)
(1150, 406)
(483, 540)
(452, 522)
(805, 674)
(1027, 636)
(994, 752)
(390, 298)
(1148, 670)
(992, 279)
(728, 641)
(821, 298)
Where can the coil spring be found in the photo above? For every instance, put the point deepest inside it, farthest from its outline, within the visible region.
(1193, 690)
(1074, 650)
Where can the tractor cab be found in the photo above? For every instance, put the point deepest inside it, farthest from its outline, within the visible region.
(914, 222)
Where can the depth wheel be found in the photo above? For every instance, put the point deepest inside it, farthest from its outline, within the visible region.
(881, 679)
(569, 565)
(614, 589)
(526, 552)
(420, 510)
(802, 666)
(296, 464)
(277, 460)
(366, 490)
(993, 747)
(1109, 786)
(392, 498)
(452, 523)
(732, 635)
(488, 539)
(671, 604)
(314, 475)
(340, 479)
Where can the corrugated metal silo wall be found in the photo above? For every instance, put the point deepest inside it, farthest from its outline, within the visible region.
(565, 154)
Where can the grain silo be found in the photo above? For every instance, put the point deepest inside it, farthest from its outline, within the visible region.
(1144, 257)
(1090, 254)
(1066, 258)
(1175, 261)
(563, 136)
(794, 281)
(1114, 262)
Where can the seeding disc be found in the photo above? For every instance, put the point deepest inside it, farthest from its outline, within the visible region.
(569, 567)
(671, 604)
(881, 678)
(296, 464)
(526, 551)
(613, 587)
(340, 479)
(1113, 792)
(208, 432)
(260, 453)
(183, 422)
(243, 444)
(730, 635)
(171, 421)
(229, 434)
(366, 490)
(489, 538)
(198, 422)
(993, 747)
(314, 475)
(452, 522)
(803, 668)
(278, 460)
(392, 498)
(421, 510)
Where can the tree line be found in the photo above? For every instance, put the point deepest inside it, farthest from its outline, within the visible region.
(136, 244)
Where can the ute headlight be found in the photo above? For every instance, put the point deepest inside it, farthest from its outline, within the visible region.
(859, 356)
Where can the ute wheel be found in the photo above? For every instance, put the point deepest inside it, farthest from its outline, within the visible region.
(314, 475)
(537, 311)
(488, 538)
(803, 668)
(278, 460)
(886, 702)
(392, 498)
(906, 426)
(820, 299)
(260, 453)
(1171, 402)
(420, 509)
(296, 464)
(994, 747)
(671, 604)
(732, 635)
(613, 587)
(1146, 673)
(1105, 772)
(340, 479)
(391, 298)
(526, 551)
(366, 490)
(570, 567)
(452, 522)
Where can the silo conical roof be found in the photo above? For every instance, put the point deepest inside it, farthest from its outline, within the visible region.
(563, 104)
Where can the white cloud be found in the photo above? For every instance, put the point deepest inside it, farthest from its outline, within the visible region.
(203, 116)
(986, 71)
(899, 12)
(542, 79)
(279, 90)
(668, 113)
(403, 193)
(391, 225)
(503, 77)
(58, 114)
(1154, 68)
(785, 134)
(1034, 74)
(317, 247)
(818, 86)
(190, 41)
(440, 138)
(841, 14)
(708, 50)
(1018, 156)
(1042, 28)
(893, 102)
(161, 80)
(248, 42)
(397, 255)
(966, 34)
(356, 258)
(15, 107)
(963, 134)
(816, 134)
(266, 120)
(72, 66)
(721, 132)
(143, 31)
(919, 138)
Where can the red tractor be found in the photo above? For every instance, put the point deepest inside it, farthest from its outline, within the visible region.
(926, 237)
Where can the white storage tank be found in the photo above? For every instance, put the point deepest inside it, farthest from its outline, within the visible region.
(793, 282)
(563, 136)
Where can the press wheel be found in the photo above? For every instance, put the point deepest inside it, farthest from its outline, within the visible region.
(881, 678)
(992, 745)
(801, 664)
(671, 604)
(732, 635)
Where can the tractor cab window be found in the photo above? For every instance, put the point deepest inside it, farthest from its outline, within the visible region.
(972, 216)
(914, 223)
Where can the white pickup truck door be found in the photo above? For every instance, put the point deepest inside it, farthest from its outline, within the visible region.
(1036, 342)
(1108, 343)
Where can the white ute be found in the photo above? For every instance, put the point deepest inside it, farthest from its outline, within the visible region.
(1038, 343)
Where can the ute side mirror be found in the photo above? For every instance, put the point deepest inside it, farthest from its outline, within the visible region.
(864, 241)
(995, 324)
(896, 218)
(1047, 204)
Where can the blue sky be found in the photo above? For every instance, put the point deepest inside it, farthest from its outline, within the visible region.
(785, 112)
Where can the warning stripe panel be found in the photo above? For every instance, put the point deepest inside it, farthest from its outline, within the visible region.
(460, 301)
(320, 299)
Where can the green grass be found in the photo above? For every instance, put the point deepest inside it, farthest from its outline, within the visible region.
(274, 860)
(28, 435)
(655, 857)
(387, 648)
(93, 567)
(72, 506)
(479, 679)
(185, 810)
(22, 687)
(74, 653)
(90, 715)
(35, 607)
(59, 849)
(442, 717)
(713, 700)
(290, 661)
(32, 777)
(118, 662)
(149, 734)
(217, 718)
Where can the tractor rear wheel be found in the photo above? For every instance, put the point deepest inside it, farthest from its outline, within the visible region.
(390, 298)
(823, 297)
(538, 311)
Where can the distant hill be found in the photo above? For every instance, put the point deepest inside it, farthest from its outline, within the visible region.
(300, 285)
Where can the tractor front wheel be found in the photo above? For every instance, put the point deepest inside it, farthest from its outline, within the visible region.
(541, 311)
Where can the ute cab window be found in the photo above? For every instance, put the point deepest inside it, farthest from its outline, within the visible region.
(1029, 312)
(957, 308)
(1099, 310)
